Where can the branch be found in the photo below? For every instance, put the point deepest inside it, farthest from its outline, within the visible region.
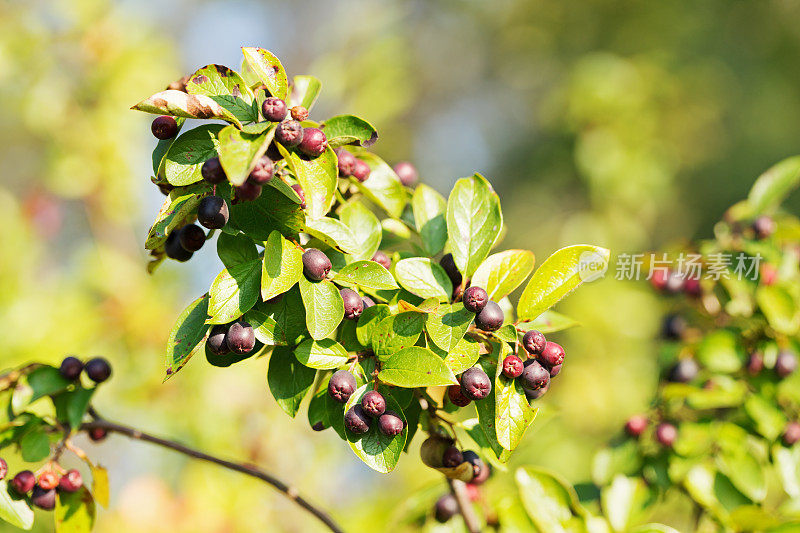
(464, 505)
(288, 491)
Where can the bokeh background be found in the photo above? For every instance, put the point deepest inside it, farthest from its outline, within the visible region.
(623, 124)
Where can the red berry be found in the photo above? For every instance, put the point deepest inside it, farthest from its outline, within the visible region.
(407, 173)
(262, 171)
(382, 259)
(636, 425)
(299, 113)
(299, 190)
(361, 170)
(346, 162)
(456, 396)
(512, 366)
(48, 480)
(273, 109)
(97, 434)
(314, 142)
(658, 279)
(71, 481)
(666, 434)
(23, 482)
(552, 354)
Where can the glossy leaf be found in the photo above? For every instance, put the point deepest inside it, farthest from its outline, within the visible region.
(187, 335)
(334, 233)
(474, 222)
(324, 307)
(181, 104)
(349, 129)
(549, 322)
(378, 451)
(15, 511)
(623, 501)
(416, 367)
(463, 356)
(187, 154)
(772, 187)
(430, 210)
(280, 323)
(382, 186)
(234, 292)
(558, 276)
(448, 325)
(780, 308)
(75, 511)
(324, 354)
(369, 320)
(548, 500)
(288, 380)
(239, 151)
(268, 69)
(423, 277)
(282, 266)
(178, 207)
(270, 211)
(225, 87)
(318, 178)
(396, 332)
(305, 90)
(368, 274)
(364, 227)
(503, 272)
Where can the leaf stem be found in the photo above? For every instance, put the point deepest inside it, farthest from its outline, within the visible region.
(249, 470)
(464, 506)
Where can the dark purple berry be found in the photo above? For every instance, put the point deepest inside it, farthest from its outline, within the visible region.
(43, 498)
(674, 327)
(475, 299)
(273, 109)
(373, 403)
(491, 318)
(23, 482)
(248, 191)
(382, 259)
(164, 127)
(390, 424)
(346, 162)
(367, 301)
(554, 370)
(446, 508)
(262, 172)
(361, 170)
(191, 237)
(314, 142)
(289, 133)
(692, 287)
(786, 363)
(71, 481)
(791, 434)
(666, 434)
(341, 386)
(97, 434)
(533, 341)
(452, 457)
(763, 227)
(316, 264)
(475, 384)
(476, 462)
(173, 248)
(213, 172)
(212, 212)
(356, 420)
(407, 173)
(552, 354)
(241, 338)
(216, 342)
(536, 394)
(70, 368)
(299, 113)
(684, 371)
(98, 369)
(636, 425)
(456, 396)
(299, 191)
(353, 305)
(449, 265)
(512, 366)
(534, 376)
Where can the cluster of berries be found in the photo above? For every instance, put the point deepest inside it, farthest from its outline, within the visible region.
(40, 489)
(97, 369)
(372, 407)
(446, 506)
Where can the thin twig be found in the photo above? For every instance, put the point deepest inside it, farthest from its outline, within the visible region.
(464, 505)
(288, 491)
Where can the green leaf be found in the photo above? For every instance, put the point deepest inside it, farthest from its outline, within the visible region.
(548, 322)
(503, 272)
(365, 229)
(181, 104)
(239, 151)
(474, 222)
(430, 209)
(463, 356)
(324, 307)
(75, 512)
(779, 307)
(486, 409)
(324, 354)
(44, 381)
(234, 291)
(396, 332)
(768, 418)
(559, 275)
(178, 207)
(187, 154)
(349, 129)
(280, 323)
(743, 470)
(367, 274)
(548, 499)
(382, 186)
(378, 451)
(187, 335)
(225, 87)
(161, 150)
(719, 351)
(72, 405)
(305, 90)
(268, 69)
(772, 187)
(270, 211)
(416, 367)
(334, 233)
(282, 266)
(507, 333)
(513, 413)
(623, 501)
(13, 509)
(787, 463)
(288, 380)
(236, 249)
(423, 277)
(35, 445)
(448, 325)
(369, 320)
(318, 178)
